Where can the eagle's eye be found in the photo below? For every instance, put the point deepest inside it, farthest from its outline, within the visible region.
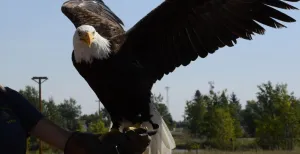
(93, 32)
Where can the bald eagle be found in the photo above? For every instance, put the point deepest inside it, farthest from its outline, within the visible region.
(122, 66)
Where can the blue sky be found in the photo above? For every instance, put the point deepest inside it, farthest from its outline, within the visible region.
(36, 40)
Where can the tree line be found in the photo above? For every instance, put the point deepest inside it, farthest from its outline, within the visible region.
(272, 120)
(214, 119)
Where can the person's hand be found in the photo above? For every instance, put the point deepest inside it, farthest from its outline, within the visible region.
(86, 143)
(137, 142)
(129, 142)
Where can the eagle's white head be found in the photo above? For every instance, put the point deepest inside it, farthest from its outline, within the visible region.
(89, 45)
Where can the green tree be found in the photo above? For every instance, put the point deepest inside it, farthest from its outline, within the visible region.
(221, 128)
(197, 95)
(97, 127)
(181, 124)
(235, 111)
(278, 126)
(195, 111)
(51, 111)
(80, 126)
(70, 112)
(31, 94)
(89, 118)
(223, 99)
(218, 114)
(248, 117)
(210, 116)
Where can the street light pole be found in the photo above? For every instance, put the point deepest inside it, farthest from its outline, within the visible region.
(99, 110)
(40, 80)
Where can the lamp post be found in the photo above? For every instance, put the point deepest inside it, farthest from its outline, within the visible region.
(40, 80)
(99, 110)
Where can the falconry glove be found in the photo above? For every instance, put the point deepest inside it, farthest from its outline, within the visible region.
(130, 142)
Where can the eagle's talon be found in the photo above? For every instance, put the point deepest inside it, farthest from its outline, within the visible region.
(132, 128)
(135, 126)
(155, 126)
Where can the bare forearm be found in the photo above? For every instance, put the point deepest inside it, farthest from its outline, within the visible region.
(50, 133)
(34, 122)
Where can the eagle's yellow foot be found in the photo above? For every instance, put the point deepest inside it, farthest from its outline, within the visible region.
(135, 126)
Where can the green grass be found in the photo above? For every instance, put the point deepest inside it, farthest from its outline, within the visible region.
(247, 152)
(217, 152)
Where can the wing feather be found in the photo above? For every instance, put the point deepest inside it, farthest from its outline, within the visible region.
(94, 13)
(179, 31)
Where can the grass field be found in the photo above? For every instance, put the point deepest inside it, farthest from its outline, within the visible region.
(215, 152)
(248, 152)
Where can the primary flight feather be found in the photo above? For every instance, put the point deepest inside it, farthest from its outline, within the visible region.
(122, 66)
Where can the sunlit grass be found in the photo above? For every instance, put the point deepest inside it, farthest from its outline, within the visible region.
(212, 152)
(247, 152)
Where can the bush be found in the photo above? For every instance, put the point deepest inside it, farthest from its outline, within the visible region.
(192, 146)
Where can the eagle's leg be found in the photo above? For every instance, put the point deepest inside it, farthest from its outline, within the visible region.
(154, 125)
(148, 119)
(135, 126)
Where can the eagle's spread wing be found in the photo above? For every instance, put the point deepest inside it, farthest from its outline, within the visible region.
(94, 13)
(178, 31)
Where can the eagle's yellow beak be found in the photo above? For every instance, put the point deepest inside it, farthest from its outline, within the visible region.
(88, 38)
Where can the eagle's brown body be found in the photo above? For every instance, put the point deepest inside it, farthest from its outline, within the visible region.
(119, 91)
(174, 34)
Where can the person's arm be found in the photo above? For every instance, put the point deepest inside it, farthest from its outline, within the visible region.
(35, 123)
(72, 143)
(51, 133)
